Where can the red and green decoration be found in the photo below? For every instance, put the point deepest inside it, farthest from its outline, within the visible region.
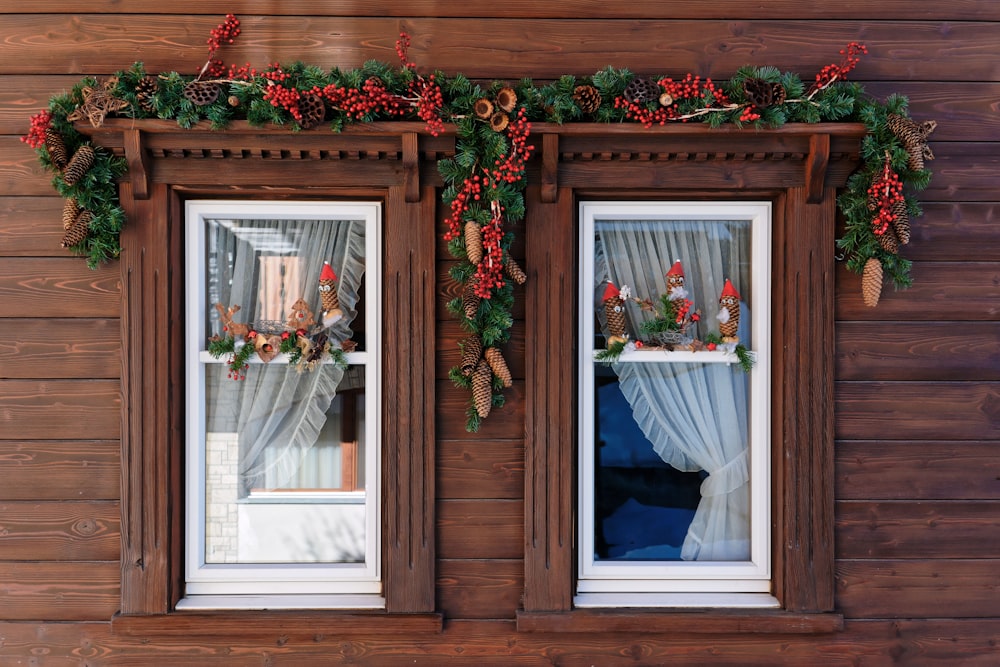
(484, 181)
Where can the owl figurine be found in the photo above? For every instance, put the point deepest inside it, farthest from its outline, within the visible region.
(675, 281)
(729, 313)
(328, 294)
(614, 311)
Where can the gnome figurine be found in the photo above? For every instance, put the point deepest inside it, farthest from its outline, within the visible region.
(675, 281)
(614, 311)
(729, 313)
(328, 293)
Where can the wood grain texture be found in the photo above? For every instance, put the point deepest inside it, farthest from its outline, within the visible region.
(480, 529)
(473, 589)
(31, 227)
(59, 409)
(504, 423)
(65, 287)
(59, 531)
(956, 231)
(86, 591)
(59, 348)
(60, 470)
(20, 172)
(480, 469)
(928, 470)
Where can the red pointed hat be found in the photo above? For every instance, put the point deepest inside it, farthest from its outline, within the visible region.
(676, 269)
(729, 290)
(327, 273)
(610, 291)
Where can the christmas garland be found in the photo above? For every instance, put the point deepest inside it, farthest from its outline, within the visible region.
(484, 181)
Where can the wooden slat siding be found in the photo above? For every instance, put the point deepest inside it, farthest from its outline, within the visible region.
(909, 530)
(54, 531)
(54, 591)
(409, 394)
(955, 232)
(504, 423)
(480, 528)
(917, 410)
(548, 48)
(57, 348)
(22, 96)
(448, 353)
(20, 172)
(479, 468)
(949, 292)
(962, 171)
(932, 588)
(488, 588)
(57, 287)
(31, 226)
(59, 470)
(918, 351)
(929, 470)
(59, 409)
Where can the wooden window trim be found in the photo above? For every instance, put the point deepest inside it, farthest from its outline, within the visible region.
(799, 168)
(168, 164)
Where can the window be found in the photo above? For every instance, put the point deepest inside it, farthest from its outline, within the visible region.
(674, 438)
(283, 452)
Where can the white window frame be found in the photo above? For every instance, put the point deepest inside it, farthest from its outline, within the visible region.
(285, 585)
(686, 583)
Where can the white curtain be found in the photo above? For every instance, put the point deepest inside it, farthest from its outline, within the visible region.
(695, 414)
(265, 266)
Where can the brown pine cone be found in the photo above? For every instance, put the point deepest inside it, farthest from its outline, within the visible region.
(77, 232)
(515, 272)
(871, 282)
(888, 241)
(472, 352)
(81, 163)
(470, 300)
(587, 98)
(763, 93)
(901, 222)
(473, 242)
(144, 91)
(70, 211)
(482, 388)
(56, 147)
(499, 367)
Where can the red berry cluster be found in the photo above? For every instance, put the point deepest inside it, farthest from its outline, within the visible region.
(39, 123)
(471, 191)
(244, 73)
(852, 56)
(236, 371)
(402, 48)
(489, 273)
(749, 114)
(885, 192)
(682, 308)
(226, 32)
(357, 104)
(511, 168)
(279, 96)
(429, 103)
(638, 112)
(688, 87)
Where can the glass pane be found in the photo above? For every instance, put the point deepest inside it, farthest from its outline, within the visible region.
(272, 496)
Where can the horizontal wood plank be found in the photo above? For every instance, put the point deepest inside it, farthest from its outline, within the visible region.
(918, 351)
(503, 423)
(918, 589)
(59, 348)
(59, 409)
(31, 226)
(59, 591)
(546, 48)
(480, 469)
(904, 530)
(448, 353)
(917, 410)
(480, 529)
(67, 470)
(479, 588)
(62, 287)
(954, 232)
(59, 530)
(20, 172)
(931, 470)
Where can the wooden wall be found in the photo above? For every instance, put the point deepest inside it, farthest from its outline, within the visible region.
(918, 378)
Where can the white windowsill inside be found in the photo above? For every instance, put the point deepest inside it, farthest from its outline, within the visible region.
(676, 600)
(263, 602)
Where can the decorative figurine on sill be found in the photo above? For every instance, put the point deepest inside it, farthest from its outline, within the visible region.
(614, 311)
(729, 313)
(328, 293)
(300, 317)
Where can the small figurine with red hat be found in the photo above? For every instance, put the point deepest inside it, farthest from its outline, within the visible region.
(675, 281)
(328, 293)
(614, 310)
(729, 313)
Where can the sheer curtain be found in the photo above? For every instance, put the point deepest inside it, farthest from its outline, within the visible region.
(265, 266)
(695, 414)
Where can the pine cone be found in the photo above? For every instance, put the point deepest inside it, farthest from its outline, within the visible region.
(70, 211)
(77, 232)
(871, 282)
(587, 98)
(731, 327)
(470, 300)
(482, 388)
(913, 136)
(56, 147)
(763, 93)
(888, 241)
(81, 163)
(473, 242)
(614, 312)
(506, 99)
(472, 352)
(499, 367)
(901, 222)
(515, 272)
(202, 92)
(313, 110)
(144, 92)
(641, 90)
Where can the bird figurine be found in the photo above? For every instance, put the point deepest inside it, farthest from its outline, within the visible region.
(729, 313)
(328, 293)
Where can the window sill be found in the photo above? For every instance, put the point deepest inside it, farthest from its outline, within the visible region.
(708, 621)
(242, 623)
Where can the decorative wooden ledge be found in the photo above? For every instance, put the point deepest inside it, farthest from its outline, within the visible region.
(707, 621)
(272, 623)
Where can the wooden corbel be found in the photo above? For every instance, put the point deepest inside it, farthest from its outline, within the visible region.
(816, 165)
(550, 168)
(138, 163)
(411, 168)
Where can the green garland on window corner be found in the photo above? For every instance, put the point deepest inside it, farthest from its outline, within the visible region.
(755, 96)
